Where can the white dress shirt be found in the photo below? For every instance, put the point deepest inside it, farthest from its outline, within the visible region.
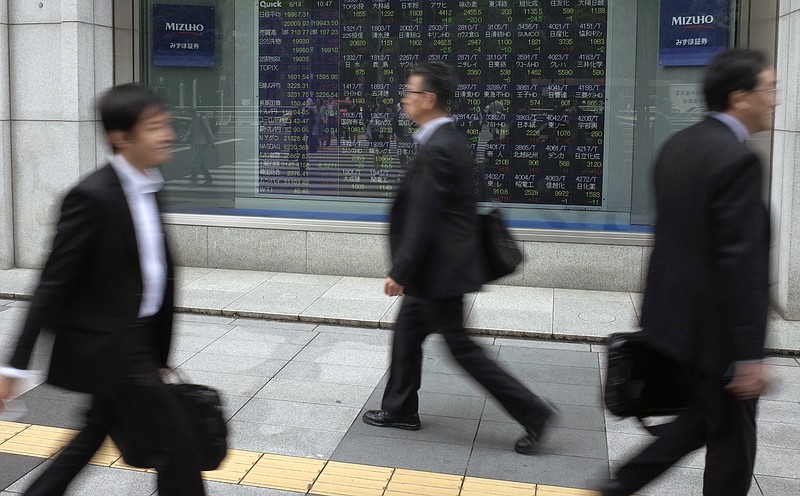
(140, 189)
(425, 131)
(140, 192)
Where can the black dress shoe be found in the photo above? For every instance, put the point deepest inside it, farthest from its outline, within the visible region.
(529, 443)
(382, 418)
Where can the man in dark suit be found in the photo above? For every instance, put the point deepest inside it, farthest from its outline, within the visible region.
(434, 246)
(707, 287)
(107, 292)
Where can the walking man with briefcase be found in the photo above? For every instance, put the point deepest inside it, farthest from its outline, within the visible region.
(107, 292)
(435, 259)
(706, 298)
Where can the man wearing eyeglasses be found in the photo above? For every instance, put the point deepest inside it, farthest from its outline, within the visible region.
(707, 286)
(434, 246)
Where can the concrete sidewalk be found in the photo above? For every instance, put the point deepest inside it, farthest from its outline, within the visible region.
(508, 311)
(297, 387)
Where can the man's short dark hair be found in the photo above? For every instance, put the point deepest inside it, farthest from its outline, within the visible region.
(438, 78)
(122, 106)
(732, 70)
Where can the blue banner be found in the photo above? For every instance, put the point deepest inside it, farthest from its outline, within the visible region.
(692, 31)
(184, 35)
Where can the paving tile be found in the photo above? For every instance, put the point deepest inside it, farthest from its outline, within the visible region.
(100, 480)
(344, 479)
(46, 411)
(378, 359)
(264, 349)
(554, 374)
(191, 344)
(533, 322)
(14, 315)
(266, 334)
(282, 325)
(277, 299)
(595, 318)
(329, 373)
(435, 429)
(205, 299)
(223, 489)
(566, 395)
(411, 482)
(15, 467)
(390, 317)
(541, 344)
(185, 275)
(228, 384)
(358, 288)
(18, 281)
(435, 345)
(776, 462)
(778, 411)
(557, 441)
(403, 453)
(571, 417)
(296, 414)
(232, 403)
(554, 470)
(364, 312)
(283, 440)
(548, 356)
(237, 281)
(778, 486)
(374, 341)
(202, 318)
(778, 435)
(313, 279)
(588, 295)
(362, 331)
(315, 392)
(252, 366)
(202, 329)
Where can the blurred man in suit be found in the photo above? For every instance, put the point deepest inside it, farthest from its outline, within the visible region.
(107, 292)
(707, 297)
(434, 246)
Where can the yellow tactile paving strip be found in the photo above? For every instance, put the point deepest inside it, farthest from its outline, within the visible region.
(292, 473)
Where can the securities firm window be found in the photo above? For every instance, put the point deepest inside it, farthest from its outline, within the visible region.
(292, 109)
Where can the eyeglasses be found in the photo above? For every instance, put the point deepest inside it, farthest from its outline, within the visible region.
(411, 92)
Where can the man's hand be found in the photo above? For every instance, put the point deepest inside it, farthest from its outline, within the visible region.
(391, 288)
(748, 380)
(7, 385)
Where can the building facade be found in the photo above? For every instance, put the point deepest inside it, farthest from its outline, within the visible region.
(566, 103)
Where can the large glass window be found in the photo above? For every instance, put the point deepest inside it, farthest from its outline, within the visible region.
(291, 108)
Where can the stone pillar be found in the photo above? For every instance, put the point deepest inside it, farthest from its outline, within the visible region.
(785, 187)
(6, 210)
(60, 58)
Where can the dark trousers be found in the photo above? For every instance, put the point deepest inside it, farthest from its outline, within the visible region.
(724, 425)
(420, 317)
(200, 154)
(141, 407)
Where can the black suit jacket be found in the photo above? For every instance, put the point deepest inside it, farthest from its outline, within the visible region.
(91, 289)
(706, 298)
(433, 228)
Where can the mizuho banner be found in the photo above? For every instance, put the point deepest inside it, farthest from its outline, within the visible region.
(184, 35)
(692, 31)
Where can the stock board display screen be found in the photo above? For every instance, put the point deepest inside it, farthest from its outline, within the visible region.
(530, 96)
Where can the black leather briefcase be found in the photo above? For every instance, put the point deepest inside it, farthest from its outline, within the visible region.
(644, 381)
(202, 407)
(501, 253)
